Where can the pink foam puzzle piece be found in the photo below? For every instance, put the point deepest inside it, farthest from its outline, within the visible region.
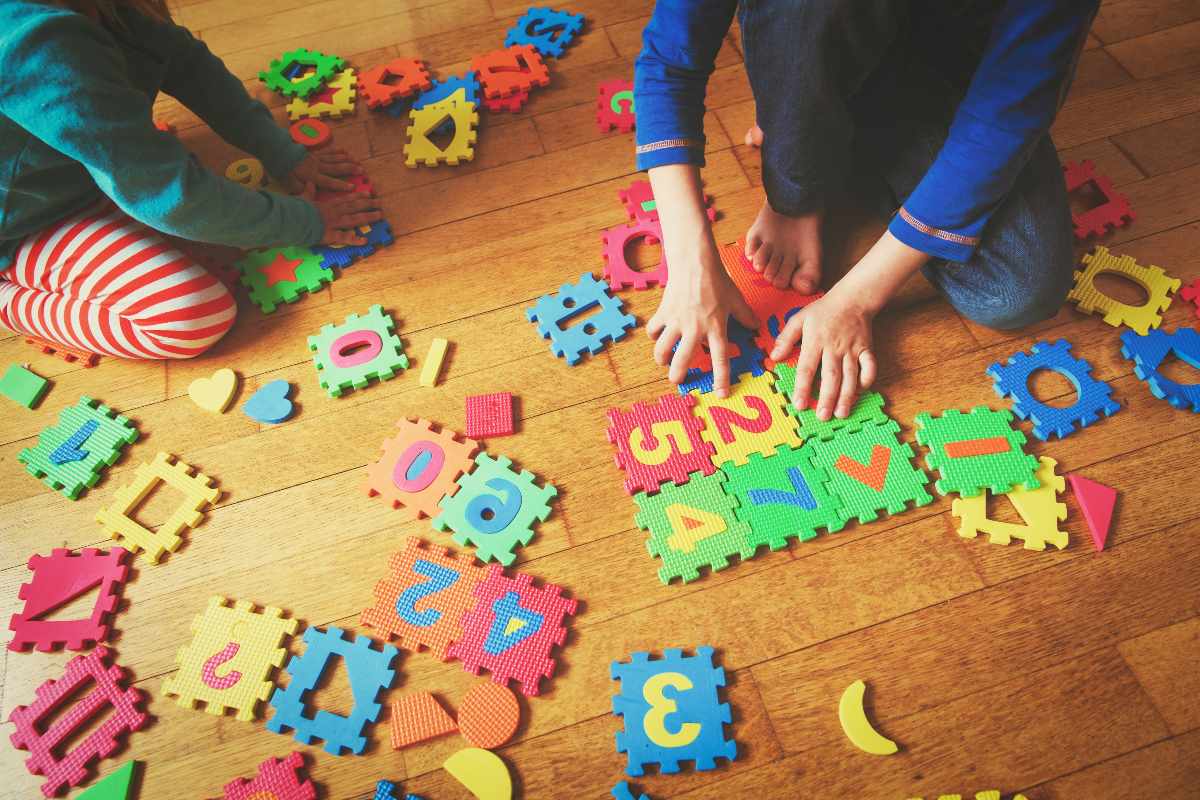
(1096, 500)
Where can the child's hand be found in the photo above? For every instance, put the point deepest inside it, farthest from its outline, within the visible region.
(343, 214)
(322, 170)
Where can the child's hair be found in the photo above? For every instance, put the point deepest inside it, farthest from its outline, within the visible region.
(150, 9)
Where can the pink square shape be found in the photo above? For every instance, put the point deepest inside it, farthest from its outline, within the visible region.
(490, 415)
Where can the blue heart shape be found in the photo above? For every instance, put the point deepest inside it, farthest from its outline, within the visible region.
(270, 404)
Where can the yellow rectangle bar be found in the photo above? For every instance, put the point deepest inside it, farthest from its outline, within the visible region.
(433, 363)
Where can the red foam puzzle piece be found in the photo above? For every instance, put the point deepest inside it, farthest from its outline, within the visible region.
(614, 106)
(504, 73)
(1192, 295)
(490, 415)
(225, 273)
(374, 90)
(659, 443)
(640, 204)
(617, 271)
(1097, 501)
(277, 780)
(360, 183)
(1112, 214)
(58, 579)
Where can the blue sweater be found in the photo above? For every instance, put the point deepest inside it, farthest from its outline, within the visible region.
(1012, 101)
(75, 123)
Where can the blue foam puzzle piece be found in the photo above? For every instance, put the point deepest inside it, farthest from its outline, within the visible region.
(1093, 396)
(621, 792)
(468, 84)
(748, 360)
(539, 27)
(383, 791)
(369, 671)
(377, 234)
(687, 693)
(270, 404)
(610, 323)
(1148, 351)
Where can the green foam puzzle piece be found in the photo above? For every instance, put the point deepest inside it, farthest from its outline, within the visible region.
(968, 474)
(22, 386)
(783, 496)
(114, 787)
(103, 447)
(693, 526)
(853, 463)
(257, 273)
(382, 366)
(867, 411)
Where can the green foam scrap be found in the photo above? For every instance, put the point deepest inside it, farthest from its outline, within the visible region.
(967, 475)
(103, 447)
(22, 386)
(781, 515)
(115, 786)
(867, 411)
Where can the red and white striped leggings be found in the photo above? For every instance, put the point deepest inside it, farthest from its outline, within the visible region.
(102, 281)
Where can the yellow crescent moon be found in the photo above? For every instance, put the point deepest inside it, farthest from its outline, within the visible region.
(482, 772)
(856, 726)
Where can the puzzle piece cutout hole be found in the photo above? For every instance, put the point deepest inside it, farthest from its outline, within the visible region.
(1121, 288)
(1087, 197)
(579, 317)
(332, 693)
(1179, 369)
(157, 506)
(1050, 387)
(77, 608)
(443, 135)
(1001, 509)
(641, 256)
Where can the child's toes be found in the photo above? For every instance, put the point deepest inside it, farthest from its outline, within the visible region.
(807, 277)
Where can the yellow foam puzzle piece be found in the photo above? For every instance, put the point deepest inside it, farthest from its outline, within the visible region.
(741, 428)
(856, 726)
(1039, 508)
(342, 90)
(482, 772)
(214, 394)
(424, 120)
(118, 525)
(212, 670)
(1141, 318)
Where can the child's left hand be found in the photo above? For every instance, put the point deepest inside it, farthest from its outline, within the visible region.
(323, 170)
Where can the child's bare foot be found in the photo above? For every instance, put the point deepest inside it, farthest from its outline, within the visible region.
(787, 250)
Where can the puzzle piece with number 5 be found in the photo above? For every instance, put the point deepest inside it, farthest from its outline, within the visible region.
(659, 443)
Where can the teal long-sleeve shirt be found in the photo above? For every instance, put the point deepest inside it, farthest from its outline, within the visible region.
(76, 100)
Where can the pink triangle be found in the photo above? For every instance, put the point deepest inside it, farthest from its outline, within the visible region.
(1097, 501)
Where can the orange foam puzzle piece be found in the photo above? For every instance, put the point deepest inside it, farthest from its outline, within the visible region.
(418, 717)
(391, 476)
(374, 90)
(488, 716)
(501, 74)
(63, 351)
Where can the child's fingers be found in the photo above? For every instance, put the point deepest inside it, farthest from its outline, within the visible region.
(664, 344)
(344, 237)
(753, 242)
(866, 363)
(788, 337)
(777, 274)
(309, 193)
(363, 201)
(655, 327)
(831, 378)
(849, 387)
(719, 349)
(807, 364)
(742, 312)
(683, 358)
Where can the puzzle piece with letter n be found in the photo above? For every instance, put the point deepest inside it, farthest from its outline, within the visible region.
(615, 106)
(58, 579)
(869, 470)
(867, 409)
(426, 120)
(1039, 508)
(693, 526)
(546, 30)
(228, 664)
(378, 234)
(340, 361)
(1110, 215)
(744, 359)
(513, 501)
(979, 450)
(1087, 298)
(279, 275)
(375, 91)
(501, 71)
(659, 443)
(423, 600)
(369, 671)
(277, 779)
(118, 524)
(512, 628)
(750, 420)
(45, 746)
(552, 311)
(419, 467)
(685, 725)
(1147, 352)
(783, 496)
(81, 467)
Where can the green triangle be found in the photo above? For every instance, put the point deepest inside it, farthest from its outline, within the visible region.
(114, 787)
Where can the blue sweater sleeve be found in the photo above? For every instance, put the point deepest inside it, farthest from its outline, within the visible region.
(73, 92)
(679, 52)
(1012, 101)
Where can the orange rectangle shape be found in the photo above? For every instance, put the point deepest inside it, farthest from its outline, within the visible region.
(977, 447)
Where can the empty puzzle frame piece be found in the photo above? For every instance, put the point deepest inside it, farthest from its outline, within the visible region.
(419, 467)
(324, 69)
(617, 271)
(1110, 215)
(375, 91)
(426, 120)
(552, 311)
(101, 448)
(1147, 352)
(58, 579)
(659, 443)
(342, 360)
(277, 779)
(1087, 298)
(1039, 508)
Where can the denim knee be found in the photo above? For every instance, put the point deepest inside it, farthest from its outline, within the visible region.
(1021, 296)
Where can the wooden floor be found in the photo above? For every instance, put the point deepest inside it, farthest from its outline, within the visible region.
(1063, 675)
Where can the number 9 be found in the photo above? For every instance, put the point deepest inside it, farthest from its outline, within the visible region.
(503, 511)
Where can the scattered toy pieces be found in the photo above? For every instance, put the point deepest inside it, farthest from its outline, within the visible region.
(1192, 294)
(109, 432)
(270, 404)
(1147, 352)
(1039, 508)
(335, 99)
(281, 77)
(490, 415)
(856, 726)
(614, 106)
(417, 718)
(378, 234)
(214, 394)
(512, 104)
(979, 450)
(617, 271)
(22, 386)
(312, 133)
(546, 30)
(659, 443)
(66, 352)
(382, 231)
(641, 206)
(481, 772)
(456, 89)
(866, 410)
(1096, 501)
(433, 363)
(573, 299)
(424, 121)
(506, 72)
(1110, 215)
(276, 780)
(750, 420)
(419, 468)
(488, 716)
(1158, 286)
(870, 470)
(115, 786)
(279, 275)
(744, 358)
(375, 91)
(340, 362)
(783, 496)
(58, 579)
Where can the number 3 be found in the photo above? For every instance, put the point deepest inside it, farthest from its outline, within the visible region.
(660, 706)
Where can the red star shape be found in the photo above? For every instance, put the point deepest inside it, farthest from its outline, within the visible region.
(280, 270)
(326, 95)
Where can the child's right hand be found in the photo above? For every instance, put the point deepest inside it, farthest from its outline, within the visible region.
(343, 214)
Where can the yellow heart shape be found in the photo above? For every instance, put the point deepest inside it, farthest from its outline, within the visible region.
(214, 394)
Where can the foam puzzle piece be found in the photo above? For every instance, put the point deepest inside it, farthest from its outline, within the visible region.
(979, 450)
(374, 90)
(67, 353)
(1093, 396)
(225, 273)
(693, 526)
(58, 579)
(229, 662)
(1110, 215)
(45, 746)
(324, 69)
(783, 496)
(870, 470)
(425, 120)
(369, 671)
(615, 107)
(659, 443)
(857, 727)
(1158, 286)
(378, 234)
(693, 709)
(641, 206)
(213, 394)
(488, 716)
(515, 503)
(457, 89)
(279, 275)
(621, 792)
(617, 271)
(481, 772)
(111, 432)
(383, 791)
(1147, 352)
(866, 410)
(1192, 294)
(546, 30)
(423, 600)
(490, 414)
(744, 358)
(419, 467)
(311, 133)
(418, 718)
(552, 311)
(511, 629)
(335, 99)
(503, 72)
(197, 494)
(1039, 508)
(750, 420)
(22, 386)
(70, 449)
(277, 779)
(380, 358)
(249, 172)
(115, 786)
(512, 103)
(433, 363)
(270, 404)
(774, 307)
(1096, 501)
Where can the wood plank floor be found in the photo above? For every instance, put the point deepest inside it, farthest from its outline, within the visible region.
(1063, 675)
